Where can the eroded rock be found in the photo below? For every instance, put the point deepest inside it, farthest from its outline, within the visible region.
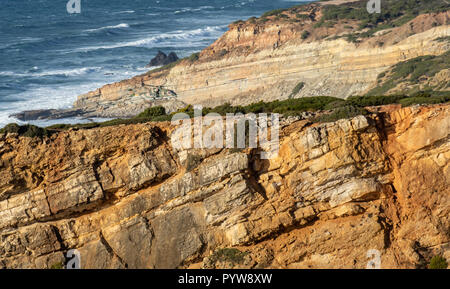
(123, 197)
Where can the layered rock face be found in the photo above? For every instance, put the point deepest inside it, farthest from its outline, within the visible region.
(124, 198)
(253, 62)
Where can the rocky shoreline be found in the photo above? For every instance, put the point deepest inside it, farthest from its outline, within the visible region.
(268, 60)
(126, 107)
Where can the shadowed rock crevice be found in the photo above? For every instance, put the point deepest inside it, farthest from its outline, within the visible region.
(110, 250)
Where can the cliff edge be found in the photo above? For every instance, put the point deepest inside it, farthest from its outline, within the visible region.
(308, 50)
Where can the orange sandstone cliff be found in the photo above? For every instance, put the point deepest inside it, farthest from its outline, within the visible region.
(124, 198)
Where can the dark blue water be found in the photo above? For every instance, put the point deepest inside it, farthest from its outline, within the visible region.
(48, 56)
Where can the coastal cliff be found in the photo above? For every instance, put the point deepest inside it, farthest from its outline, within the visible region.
(290, 55)
(351, 177)
(125, 198)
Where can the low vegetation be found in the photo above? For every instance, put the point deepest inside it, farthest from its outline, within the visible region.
(305, 34)
(343, 112)
(25, 130)
(337, 108)
(152, 112)
(289, 106)
(275, 12)
(411, 71)
(194, 57)
(228, 255)
(156, 113)
(58, 265)
(443, 39)
(395, 13)
(284, 14)
(438, 262)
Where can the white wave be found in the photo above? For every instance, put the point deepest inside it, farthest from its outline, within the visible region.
(188, 9)
(62, 72)
(23, 40)
(45, 97)
(59, 97)
(118, 26)
(124, 12)
(163, 38)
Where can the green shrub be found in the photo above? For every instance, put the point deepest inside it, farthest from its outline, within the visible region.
(58, 265)
(394, 13)
(291, 107)
(194, 57)
(223, 52)
(224, 109)
(156, 113)
(438, 262)
(305, 34)
(252, 20)
(352, 38)
(59, 127)
(231, 255)
(363, 101)
(33, 131)
(412, 70)
(25, 130)
(423, 100)
(404, 19)
(443, 39)
(10, 128)
(335, 104)
(392, 9)
(302, 16)
(342, 113)
(273, 13)
(152, 112)
(319, 24)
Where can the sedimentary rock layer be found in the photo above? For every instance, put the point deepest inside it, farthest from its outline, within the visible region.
(253, 62)
(124, 198)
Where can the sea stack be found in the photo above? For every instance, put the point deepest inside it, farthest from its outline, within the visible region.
(162, 59)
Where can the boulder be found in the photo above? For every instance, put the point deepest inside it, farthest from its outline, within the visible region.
(162, 59)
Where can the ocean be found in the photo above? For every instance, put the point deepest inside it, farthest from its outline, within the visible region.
(48, 57)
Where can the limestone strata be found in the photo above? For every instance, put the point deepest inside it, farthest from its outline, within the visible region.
(253, 62)
(125, 199)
